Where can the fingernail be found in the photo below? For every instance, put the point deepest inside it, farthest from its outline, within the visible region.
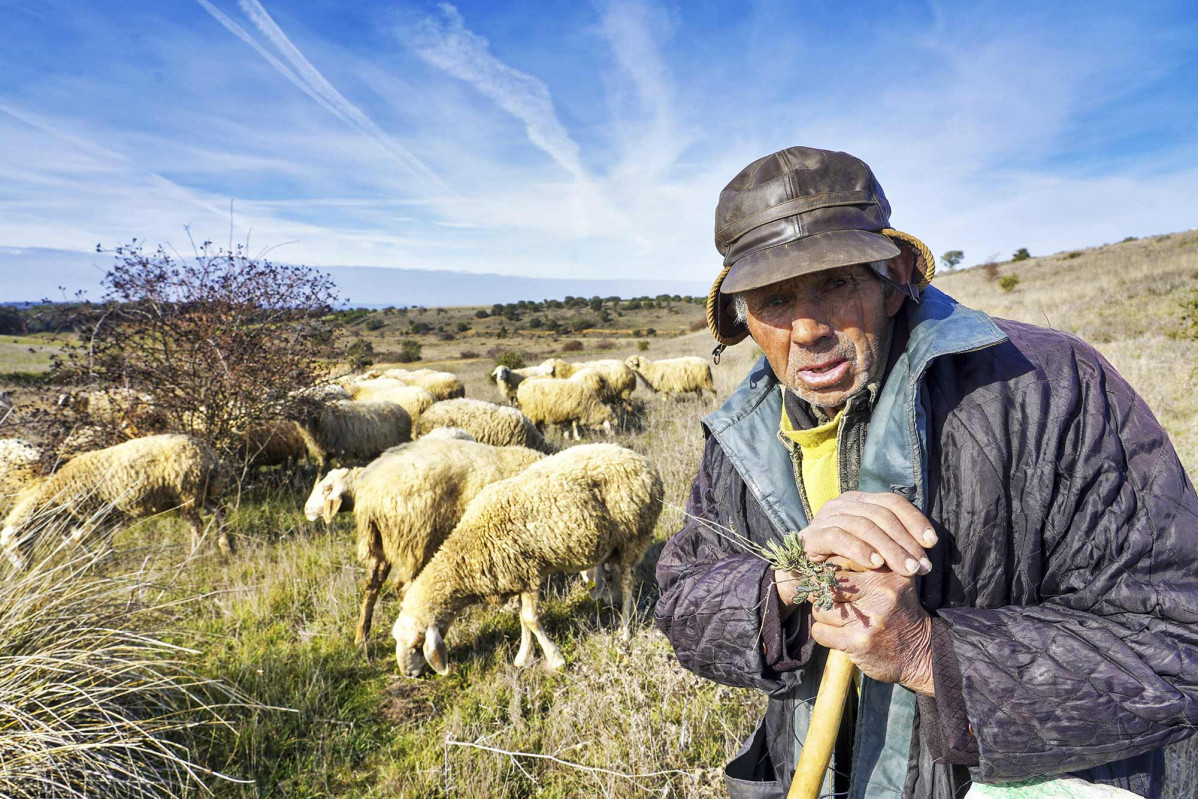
(876, 559)
(926, 564)
(912, 565)
(929, 537)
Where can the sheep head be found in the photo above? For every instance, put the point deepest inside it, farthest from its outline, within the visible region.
(634, 362)
(330, 495)
(417, 644)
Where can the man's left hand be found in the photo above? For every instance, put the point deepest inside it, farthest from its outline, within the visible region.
(878, 622)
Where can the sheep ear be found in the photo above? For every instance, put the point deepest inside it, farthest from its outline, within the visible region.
(331, 506)
(434, 650)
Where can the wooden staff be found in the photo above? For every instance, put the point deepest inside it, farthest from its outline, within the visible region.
(825, 723)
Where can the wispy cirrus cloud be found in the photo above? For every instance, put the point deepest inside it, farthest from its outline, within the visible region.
(447, 44)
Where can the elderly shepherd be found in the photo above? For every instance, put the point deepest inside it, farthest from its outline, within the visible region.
(1030, 604)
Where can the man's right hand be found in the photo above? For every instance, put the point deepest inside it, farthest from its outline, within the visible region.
(864, 531)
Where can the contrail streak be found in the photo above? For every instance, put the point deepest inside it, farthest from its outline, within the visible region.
(308, 79)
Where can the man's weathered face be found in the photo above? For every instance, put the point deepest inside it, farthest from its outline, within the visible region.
(823, 332)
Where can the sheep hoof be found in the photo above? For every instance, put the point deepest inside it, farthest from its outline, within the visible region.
(522, 660)
(555, 662)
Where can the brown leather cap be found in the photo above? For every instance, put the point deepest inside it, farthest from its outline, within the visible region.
(797, 211)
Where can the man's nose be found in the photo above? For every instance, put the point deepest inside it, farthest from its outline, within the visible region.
(808, 329)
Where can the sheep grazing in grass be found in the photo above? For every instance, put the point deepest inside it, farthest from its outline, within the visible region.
(508, 380)
(588, 506)
(442, 385)
(354, 431)
(619, 380)
(413, 399)
(131, 412)
(19, 466)
(132, 480)
(560, 402)
(407, 501)
(278, 443)
(674, 375)
(488, 423)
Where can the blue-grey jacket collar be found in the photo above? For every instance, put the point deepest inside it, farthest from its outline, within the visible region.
(746, 424)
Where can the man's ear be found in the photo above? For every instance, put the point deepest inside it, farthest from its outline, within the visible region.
(434, 650)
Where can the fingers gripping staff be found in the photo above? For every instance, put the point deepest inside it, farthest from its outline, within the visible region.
(867, 618)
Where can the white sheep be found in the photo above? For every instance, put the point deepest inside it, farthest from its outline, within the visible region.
(134, 479)
(356, 431)
(413, 399)
(551, 401)
(508, 380)
(619, 379)
(407, 501)
(588, 506)
(19, 466)
(442, 385)
(488, 423)
(324, 392)
(674, 375)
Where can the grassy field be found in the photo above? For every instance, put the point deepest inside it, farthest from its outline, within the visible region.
(623, 720)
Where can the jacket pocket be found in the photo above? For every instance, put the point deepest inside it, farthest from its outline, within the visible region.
(750, 775)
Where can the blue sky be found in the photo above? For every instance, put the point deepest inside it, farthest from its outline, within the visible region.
(582, 140)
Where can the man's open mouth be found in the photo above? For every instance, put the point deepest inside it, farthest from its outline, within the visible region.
(828, 373)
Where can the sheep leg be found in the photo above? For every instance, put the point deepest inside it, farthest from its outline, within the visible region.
(378, 576)
(531, 622)
(574, 427)
(524, 655)
(222, 534)
(192, 517)
(627, 575)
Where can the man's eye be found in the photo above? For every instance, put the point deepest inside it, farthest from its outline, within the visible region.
(776, 301)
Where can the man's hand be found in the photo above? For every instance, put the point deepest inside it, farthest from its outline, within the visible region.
(878, 622)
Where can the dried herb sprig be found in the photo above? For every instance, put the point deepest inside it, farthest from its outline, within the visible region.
(817, 581)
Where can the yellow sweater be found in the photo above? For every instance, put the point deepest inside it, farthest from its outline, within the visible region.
(820, 470)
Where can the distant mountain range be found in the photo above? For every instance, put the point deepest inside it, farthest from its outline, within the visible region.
(31, 274)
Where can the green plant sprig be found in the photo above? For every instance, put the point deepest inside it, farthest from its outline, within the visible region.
(817, 581)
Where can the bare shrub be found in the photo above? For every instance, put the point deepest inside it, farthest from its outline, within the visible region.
(210, 345)
(468, 354)
(697, 325)
(990, 270)
(573, 345)
(604, 344)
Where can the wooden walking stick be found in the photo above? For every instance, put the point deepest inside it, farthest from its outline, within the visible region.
(825, 723)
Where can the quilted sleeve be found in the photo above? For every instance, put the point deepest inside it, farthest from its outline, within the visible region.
(1105, 525)
(714, 605)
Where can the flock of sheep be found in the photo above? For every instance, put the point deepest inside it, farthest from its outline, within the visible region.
(455, 500)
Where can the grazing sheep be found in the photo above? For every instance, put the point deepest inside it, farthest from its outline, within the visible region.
(588, 506)
(488, 423)
(131, 412)
(442, 385)
(19, 466)
(552, 401)
(407, 501)
(134, 479)
(278, 443)
(413, 399)
(674, 375)
(324, 392)
(351, 430)
(619, 380)
(507, 380)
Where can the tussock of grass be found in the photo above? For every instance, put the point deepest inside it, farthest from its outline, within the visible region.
(94, 699)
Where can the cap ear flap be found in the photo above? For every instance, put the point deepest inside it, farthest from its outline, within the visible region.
(434, 650)
(331, 506)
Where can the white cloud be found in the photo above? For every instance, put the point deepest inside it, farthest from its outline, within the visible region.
(448, 45)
